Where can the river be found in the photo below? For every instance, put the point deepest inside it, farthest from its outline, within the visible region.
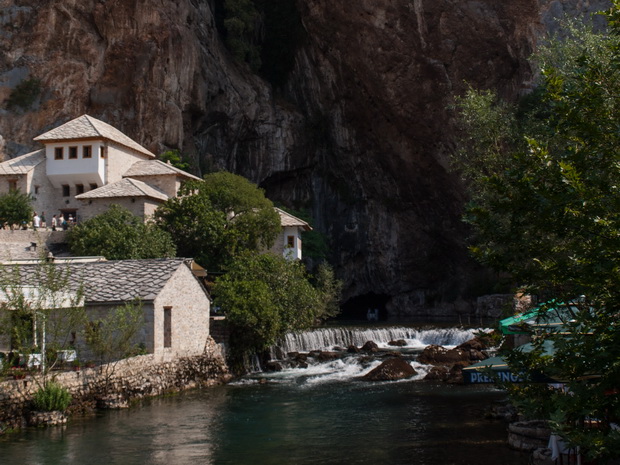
(321, 414)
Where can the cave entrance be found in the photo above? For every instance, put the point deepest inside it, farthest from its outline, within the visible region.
(357, 308)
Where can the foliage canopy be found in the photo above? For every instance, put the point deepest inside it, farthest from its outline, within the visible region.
(15, 208)
(117, 234)
(265, 296)
(219, 218)
(544, 181)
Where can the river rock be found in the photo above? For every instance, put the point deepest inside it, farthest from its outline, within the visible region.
(370, 346)
(353, 349)
(326, 356)
(528, 435)
(38, 418)
(466, 352)
(438, 373)
(435, 354)
(398, 343)
(475, 348)
(272, 365)
(455, 375)
(391, 369)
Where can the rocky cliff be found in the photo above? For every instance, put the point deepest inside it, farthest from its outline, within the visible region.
(357, 130)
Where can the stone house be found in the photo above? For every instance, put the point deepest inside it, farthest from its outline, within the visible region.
(85, 166)
(288, 242)
(175, 303)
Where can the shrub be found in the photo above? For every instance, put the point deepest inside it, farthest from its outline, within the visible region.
(24, 94)
(51, 397)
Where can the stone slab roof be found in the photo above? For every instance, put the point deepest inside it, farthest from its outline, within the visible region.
(286, 219)
(156, 168)
(87, 127)
(124, 188)
(22, 164)
(116, 280)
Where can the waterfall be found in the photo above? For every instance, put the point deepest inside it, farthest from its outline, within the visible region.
(328, 338)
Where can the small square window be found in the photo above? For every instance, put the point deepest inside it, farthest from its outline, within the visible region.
(290, 241)
(12, 184)
(59, 153)
(102, 152)
(87, 151)
(79, 189)
(93, 186)
(72, 153)
(66, 190)
(36, 190)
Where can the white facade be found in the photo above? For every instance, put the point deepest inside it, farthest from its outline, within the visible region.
(76, 162)
(80, 158)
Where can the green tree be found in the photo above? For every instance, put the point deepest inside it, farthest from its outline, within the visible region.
(117, 234)
(176, 159)
(264, 297)
(15, 208)
(219, 218)
(40, 312)
(546, 209)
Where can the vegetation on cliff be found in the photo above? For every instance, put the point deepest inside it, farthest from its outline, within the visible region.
(544, 207)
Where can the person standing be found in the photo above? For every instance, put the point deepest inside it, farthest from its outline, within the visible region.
(43, 222)
(36, 221)
(54, 223)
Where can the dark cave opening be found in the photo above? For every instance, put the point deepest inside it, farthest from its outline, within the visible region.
(359, 307)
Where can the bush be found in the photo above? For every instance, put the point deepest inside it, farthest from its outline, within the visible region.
(24, 94)
(51, 397)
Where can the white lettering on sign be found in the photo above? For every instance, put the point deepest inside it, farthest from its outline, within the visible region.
(503, 376)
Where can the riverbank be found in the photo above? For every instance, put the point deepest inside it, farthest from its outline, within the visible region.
(115, 385)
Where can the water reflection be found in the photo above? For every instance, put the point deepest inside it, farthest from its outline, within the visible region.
(331, 423)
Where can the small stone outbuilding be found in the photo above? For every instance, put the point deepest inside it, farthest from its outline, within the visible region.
(174, 301)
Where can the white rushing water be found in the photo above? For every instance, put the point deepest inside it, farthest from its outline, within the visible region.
(348, 366)
(415, 338)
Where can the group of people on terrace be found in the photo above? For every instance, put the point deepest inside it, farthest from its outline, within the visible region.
(57, 222)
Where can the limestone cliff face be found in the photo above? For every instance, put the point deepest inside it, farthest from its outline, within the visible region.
(360, 132)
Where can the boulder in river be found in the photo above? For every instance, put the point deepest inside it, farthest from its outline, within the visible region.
(398, 343)
(439, 355)
(469, 351)
(391, 369)
(272, 365)
(438, 373)
(326, 356)
(370, 346)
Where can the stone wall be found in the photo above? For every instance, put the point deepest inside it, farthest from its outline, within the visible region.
(16, 244)
(115, 385)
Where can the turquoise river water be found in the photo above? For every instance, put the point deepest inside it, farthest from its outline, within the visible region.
(322, 414)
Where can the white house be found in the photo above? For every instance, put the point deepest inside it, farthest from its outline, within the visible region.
(288, 242)
(85, 166)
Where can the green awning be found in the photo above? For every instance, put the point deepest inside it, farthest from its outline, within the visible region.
(549, 318)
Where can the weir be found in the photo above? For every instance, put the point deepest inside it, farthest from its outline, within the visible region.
(415, 338)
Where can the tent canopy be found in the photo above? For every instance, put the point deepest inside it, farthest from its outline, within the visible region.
(550, 316)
